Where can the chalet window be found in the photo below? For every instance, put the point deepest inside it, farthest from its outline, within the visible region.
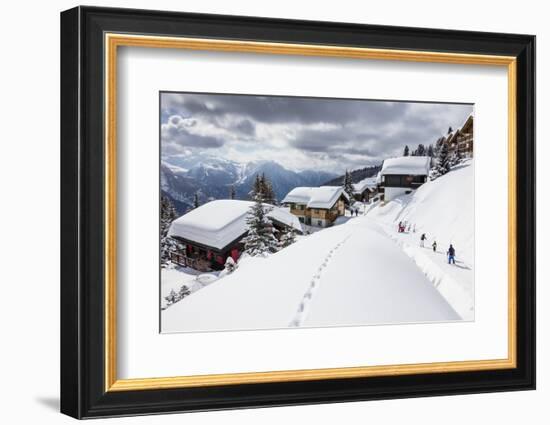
(403, 181)
(319, 223)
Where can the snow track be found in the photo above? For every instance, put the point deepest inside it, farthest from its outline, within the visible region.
(303, 308)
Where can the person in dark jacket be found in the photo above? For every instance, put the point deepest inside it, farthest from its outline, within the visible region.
(434, 246)
(422, 239)
(451, 254)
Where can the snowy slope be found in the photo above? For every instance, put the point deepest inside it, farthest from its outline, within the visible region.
(443, 209)
(348, 274)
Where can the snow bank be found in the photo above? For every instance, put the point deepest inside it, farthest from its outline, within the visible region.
(407, 165)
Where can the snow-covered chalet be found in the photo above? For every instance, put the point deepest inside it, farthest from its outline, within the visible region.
(214, 231)
(461, 141)
(317, 206)
(404, 174)
(365, 189)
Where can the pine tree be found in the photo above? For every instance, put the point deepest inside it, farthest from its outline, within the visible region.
(443, 164)
(256, 187)
(171, 298)
(430, 151)
(167, 215)
(348, 185)
(450, 130)
(438, 144)
(260, 239)
(230, 265)
(267, 191)
(196, 200)
(287, 238)
(232, 192)
(406, 151)
(183, 292)
(421, 150)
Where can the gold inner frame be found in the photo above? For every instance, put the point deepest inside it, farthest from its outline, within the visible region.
(113, 41)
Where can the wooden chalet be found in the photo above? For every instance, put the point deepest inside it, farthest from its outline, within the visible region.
(465, 138)
(461, 141)
(211, 233)
(364, 190)
(403, 175)
(317, 206)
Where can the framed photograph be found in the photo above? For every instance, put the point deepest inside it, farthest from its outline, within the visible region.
(261, 212)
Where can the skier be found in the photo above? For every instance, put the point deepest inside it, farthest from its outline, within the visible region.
(409, 228)
(451, 254)
(422, 239)
(399, 227)
(434, 246)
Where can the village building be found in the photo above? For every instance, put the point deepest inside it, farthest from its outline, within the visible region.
(461, 141)
(465, 138)
(317, 206)
(214, 231)
(364, 190)
(404, 174)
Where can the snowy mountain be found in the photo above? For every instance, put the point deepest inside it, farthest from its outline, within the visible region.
(211, 177)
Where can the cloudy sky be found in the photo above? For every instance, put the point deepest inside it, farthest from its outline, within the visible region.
(300, 133)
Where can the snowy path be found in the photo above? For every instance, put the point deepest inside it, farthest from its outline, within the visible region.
(454, 281)
(384, 287)
(303, 308)
(361, 277)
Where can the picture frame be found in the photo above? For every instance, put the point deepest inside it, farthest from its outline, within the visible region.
(90, 40)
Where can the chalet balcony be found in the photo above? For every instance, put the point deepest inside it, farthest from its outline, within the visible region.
(195, 262)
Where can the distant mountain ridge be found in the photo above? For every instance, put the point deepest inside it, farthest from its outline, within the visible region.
(356, 175)
(212, 178)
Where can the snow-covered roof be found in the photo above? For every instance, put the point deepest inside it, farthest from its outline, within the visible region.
(315, 197)
(369, 182)
(407, 165)
(218, 223)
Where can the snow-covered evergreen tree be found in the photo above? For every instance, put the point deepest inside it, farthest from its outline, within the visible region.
(230, 265)
(183, 292)
(267, 190)
(406, 151)
(430, 152)
(443, 161)
(287, 238)
(171, 298)
(167, 215)
(438, 146)
(232, 192)
(421, 150)
(260, 239)
(256, 187)
(348, 185)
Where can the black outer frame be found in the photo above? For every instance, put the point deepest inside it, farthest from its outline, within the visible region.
(82, 207)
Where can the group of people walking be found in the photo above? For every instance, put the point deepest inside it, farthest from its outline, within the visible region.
(450, 251)
(404, 226)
